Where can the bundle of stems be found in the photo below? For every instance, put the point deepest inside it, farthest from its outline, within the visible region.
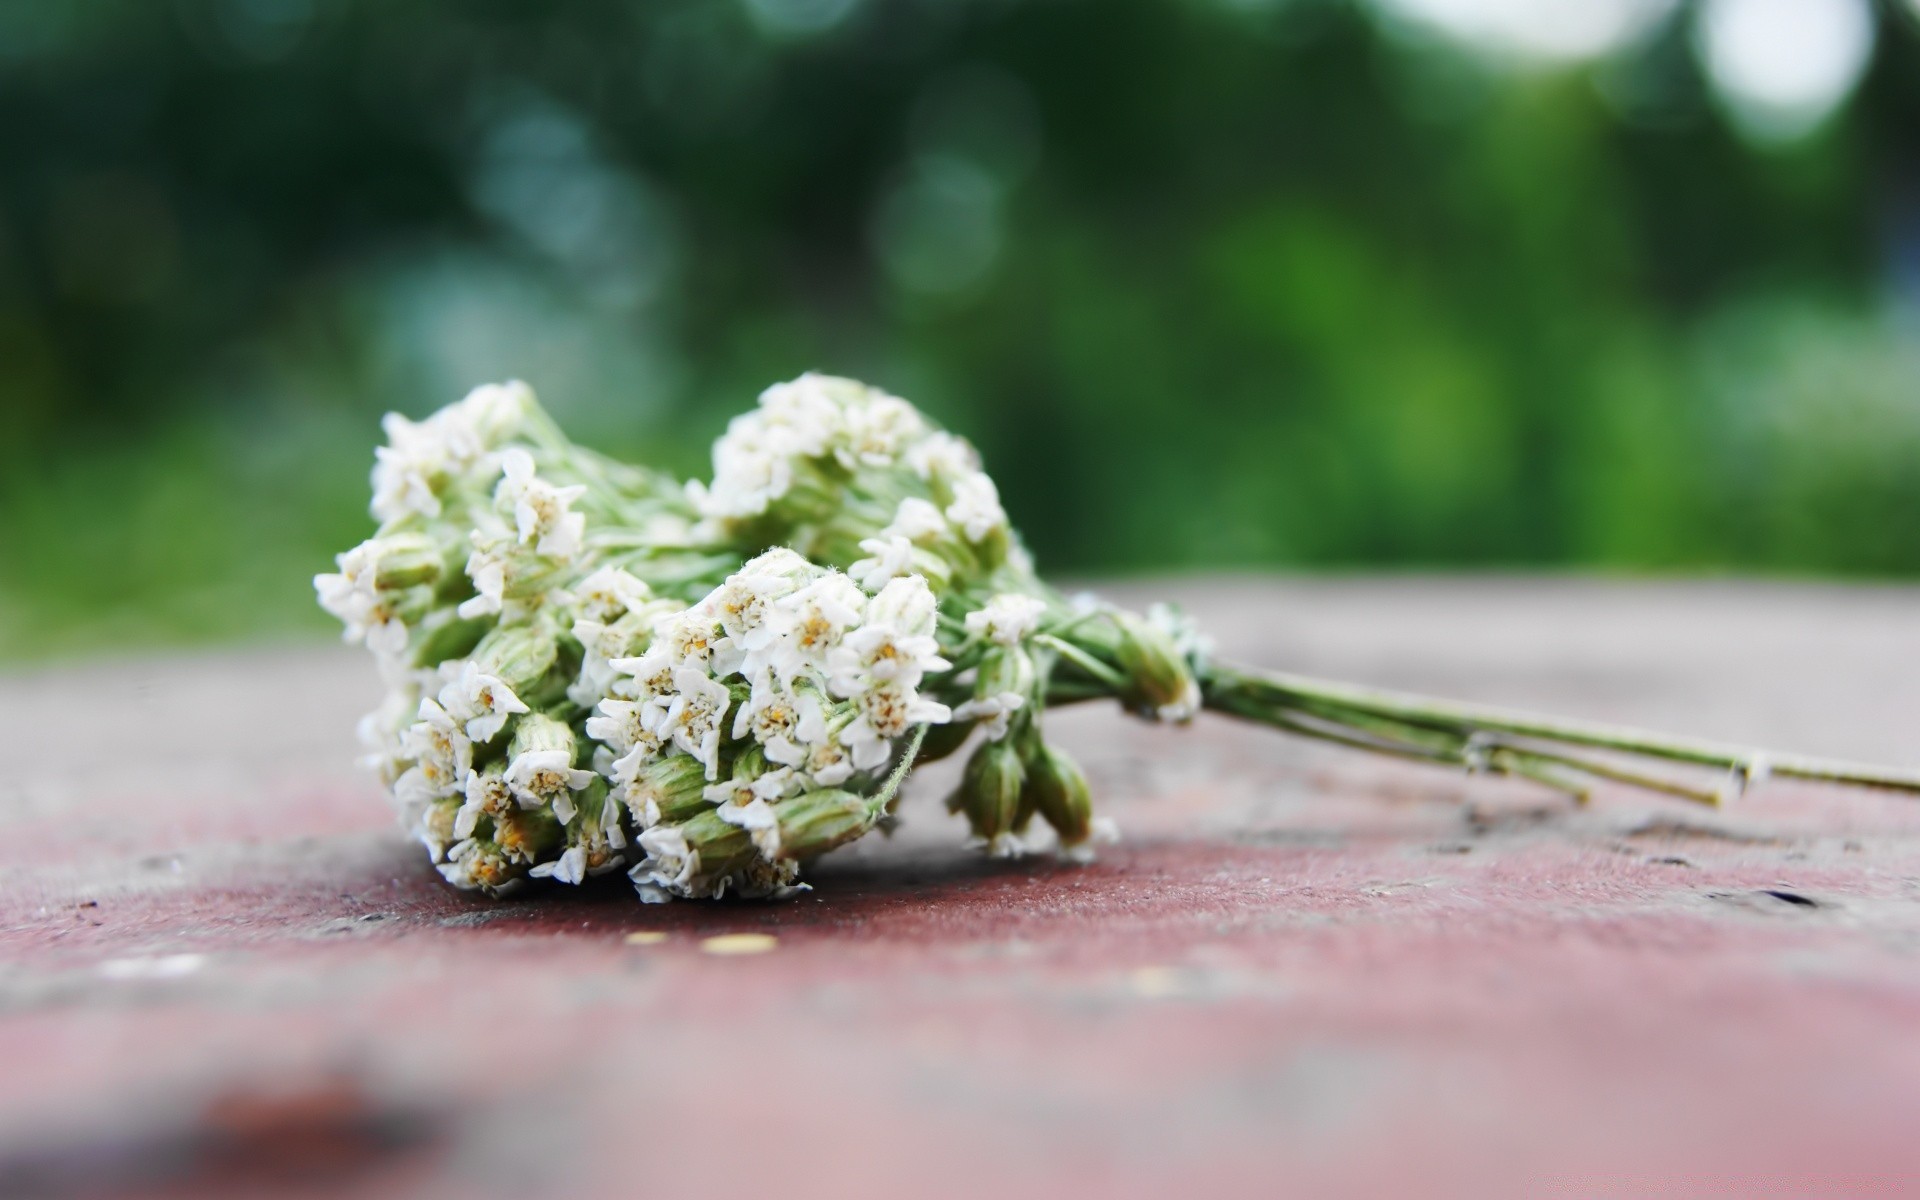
(1568, 756)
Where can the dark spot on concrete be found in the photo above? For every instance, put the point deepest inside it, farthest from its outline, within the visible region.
(323, 1135)
(465, 920)
(1671, 860)
(1480, 821)
(1772, 900)
(1667, 829)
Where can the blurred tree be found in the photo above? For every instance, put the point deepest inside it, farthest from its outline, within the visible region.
(1210, 282)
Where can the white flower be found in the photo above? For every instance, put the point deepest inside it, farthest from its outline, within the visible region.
(759, 820)
(671, 864)
(941, 455)
(777, 784)
(992, 711)
(649, 675)
(353, 599)
(610, 827)
(488, 570)
(543, 514)
(570, 867)
(487, 414)
(829, 763)
(905, 604)
(826, 761)
(693, 717)
(888, 558)
(743, 607)
(440, 749)
(603, 643)
(877, 430)
(624, 771)
(628, 725)
(379, 733)
(406, 469)
(789, 564)
(609, 593)
(688, 639)
(887, 712)
(369, 618)
(805, 410)
(358, 569)
(1008, 619)
(483, 702)
(747, 803)
(455, 870)
(772, 716)
(916, 520)
(812, 623)
(741, 791)
(488, 793)
(752, 468)
(542, 777)
(420, 456)
(875, 655)
(976, 506)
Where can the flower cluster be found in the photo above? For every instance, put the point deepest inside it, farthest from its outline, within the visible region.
(785, 680)
(850, 475)
(592, 667)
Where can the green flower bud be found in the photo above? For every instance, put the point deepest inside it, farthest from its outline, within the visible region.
(816, 822)
(487, 867)
(943, 740)
(1156, 668)
(1058, 791)
(525, 834)
(1005, 669)
(626, 637)
(436, 823)
(750, 763)
(536, 732)
(668, 789)
(989, 792)
(404, 560)
(445, 634)
(519, 655)
(717, 848)
(994, 550)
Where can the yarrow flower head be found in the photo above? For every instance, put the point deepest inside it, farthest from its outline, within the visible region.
(592, 667)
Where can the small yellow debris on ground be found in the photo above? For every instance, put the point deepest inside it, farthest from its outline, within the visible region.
(645, 937)
(1155, 983)
(739, 943)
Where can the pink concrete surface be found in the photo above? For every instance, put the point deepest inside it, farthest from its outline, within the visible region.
(1303, 972)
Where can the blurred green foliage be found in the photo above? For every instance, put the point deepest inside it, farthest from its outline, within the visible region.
(1209, 283)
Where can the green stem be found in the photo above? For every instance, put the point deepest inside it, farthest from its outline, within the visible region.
(1086, 662)
(1230, 689)
(879, 800)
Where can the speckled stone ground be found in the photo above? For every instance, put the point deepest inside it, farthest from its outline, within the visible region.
(1304, 972)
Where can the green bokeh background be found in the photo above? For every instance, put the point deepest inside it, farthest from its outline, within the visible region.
(1210, 284)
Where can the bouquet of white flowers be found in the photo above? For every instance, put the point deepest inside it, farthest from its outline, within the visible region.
(591, 666)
